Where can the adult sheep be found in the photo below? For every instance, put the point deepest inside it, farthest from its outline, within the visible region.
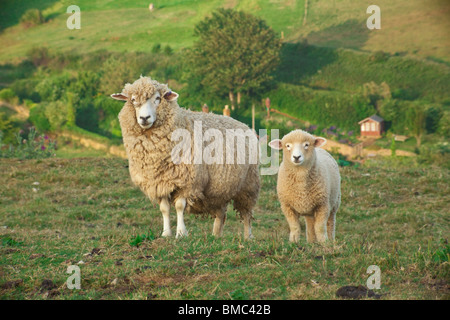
(309, 185)
(148, 119)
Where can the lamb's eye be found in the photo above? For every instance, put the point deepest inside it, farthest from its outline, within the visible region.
(288, 146)
(306, 145)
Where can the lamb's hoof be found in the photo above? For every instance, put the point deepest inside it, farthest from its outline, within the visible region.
(181, 233)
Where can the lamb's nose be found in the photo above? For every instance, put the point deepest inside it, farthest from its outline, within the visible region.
(296, 158)
(144, 119)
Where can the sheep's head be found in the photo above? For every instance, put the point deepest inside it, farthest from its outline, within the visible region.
(298, 147)
(145, 95)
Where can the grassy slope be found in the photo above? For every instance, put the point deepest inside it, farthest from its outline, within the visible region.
(419, 27)
(397, 228)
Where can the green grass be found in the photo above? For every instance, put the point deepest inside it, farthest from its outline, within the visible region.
(393, 215)
(415, 28)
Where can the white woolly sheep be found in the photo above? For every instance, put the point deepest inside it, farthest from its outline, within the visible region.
(308, 185)
(149, 119)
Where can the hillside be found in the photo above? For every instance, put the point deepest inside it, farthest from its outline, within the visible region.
(418, 28)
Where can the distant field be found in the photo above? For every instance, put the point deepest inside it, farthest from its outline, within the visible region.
(420, 28)
(60, 212)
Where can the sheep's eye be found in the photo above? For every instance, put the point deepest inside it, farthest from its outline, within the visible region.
(288, 146)
(158, 99)
(306, 145)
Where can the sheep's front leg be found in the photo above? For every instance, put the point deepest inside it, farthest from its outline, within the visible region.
(180, 205)
(320, 223)
(164, 206)
(293, 221)
(310, 233)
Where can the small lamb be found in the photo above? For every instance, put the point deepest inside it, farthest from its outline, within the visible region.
(308, 185)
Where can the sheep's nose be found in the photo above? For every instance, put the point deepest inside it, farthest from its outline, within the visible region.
(144, 119)
(296, 158)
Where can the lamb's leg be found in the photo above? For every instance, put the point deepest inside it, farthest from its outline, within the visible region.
(331, 225)
(180, 205)
(293, 221)
(164, 206)
(310, 233)
(320, 223)
(219, 221)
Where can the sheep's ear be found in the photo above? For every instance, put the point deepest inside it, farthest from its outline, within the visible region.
(119, 96)
(171, 96)
(319, 142)
(276, 144)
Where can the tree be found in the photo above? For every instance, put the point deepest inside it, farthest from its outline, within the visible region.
(235, 54)
(416, 119)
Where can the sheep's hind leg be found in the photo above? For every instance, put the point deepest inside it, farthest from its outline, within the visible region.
(180, 205)
(219, 221)
(247, 226)
(331, 225)
(320, 223)
(164, 206)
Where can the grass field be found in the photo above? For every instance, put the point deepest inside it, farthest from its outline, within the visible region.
(60, 212)
(419, 28)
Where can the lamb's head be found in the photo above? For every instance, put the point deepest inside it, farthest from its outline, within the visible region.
(298, 147)
(145, 96)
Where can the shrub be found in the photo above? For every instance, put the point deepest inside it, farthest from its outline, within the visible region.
(32, 17)
(156, 48)
(6, 127)
(39, 56)
(168, 50)
(57, 114)
(38, 118)
(8, 95)
(26, 89)
(54, 88)
(33, 147)
(379, 56)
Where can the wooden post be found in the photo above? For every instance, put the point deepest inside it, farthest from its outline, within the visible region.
(268, 107)
(231, 96)
(253, 117)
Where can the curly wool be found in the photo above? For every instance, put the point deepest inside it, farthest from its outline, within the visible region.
(315, 184)
(205, 187)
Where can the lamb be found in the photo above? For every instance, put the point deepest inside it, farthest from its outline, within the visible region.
(308, 185)
(148, 120)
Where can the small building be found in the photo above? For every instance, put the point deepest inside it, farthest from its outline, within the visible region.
(372, 126)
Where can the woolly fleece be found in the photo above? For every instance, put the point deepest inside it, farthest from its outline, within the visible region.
(207, 188)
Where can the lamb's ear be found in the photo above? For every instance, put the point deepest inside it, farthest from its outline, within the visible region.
(171, 96)
(276, 144)
(319, 142)
(119, 96)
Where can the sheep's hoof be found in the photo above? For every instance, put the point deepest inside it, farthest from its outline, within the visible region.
(166, 233)
(249, 237)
